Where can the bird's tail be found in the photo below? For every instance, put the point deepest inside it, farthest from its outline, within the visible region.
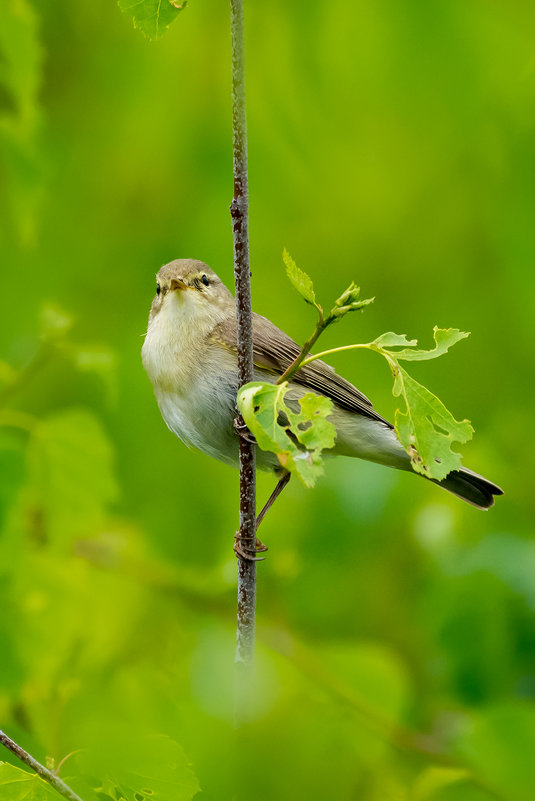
(470, 487)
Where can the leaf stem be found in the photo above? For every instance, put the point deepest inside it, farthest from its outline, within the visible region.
(45, 774)
(367, 345)
(239, 210)
(301, 360)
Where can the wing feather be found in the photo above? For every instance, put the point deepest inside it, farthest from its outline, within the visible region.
(274, 351)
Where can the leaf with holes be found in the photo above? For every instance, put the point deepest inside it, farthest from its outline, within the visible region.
(444, 338)
(296, 430)
(427, 429)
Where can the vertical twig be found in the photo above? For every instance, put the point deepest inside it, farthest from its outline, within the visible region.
(239, 210)
(52, 779)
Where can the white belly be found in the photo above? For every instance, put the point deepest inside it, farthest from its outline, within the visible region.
(202, 419)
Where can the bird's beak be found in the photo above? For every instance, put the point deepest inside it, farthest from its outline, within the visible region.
(176, 283)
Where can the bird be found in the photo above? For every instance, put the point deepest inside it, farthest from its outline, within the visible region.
(190, 355)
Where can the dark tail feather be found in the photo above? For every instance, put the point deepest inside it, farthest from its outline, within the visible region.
(470, 487)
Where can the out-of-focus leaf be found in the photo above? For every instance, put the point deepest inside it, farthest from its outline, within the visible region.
(20, 78)
(499, 744)
(22, 785)
(509, 558)
(55, 322)
(297, 438)
(11, 469)
(20, 68)
(97, 359)
(7, 373)
(152, 17)
(144, 768)
(374, 674)
(71, 474)
(434, 779)
(464, 791)
(300, 280)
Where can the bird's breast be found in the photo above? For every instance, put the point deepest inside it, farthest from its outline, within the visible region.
(171, 353)
(202, 416)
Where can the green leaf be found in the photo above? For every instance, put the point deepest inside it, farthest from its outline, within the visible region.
(296, 437)
(434, 779)
(444, 338)
(499, 743)
(427, 429)
(144, 768)
(20, 66)
(152, 17)
(7, 373)
(21, 59)
(301, 281)
(55, 322)
(347, 302)
(390, 340)
(71, 473)
(96, 359)
(374, 676)
(21, 785)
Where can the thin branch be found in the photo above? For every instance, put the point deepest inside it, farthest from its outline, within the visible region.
(239, 210)
(48, 776)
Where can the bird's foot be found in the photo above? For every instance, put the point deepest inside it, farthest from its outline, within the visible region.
(260, 547)
(246, 552)
(242, 431)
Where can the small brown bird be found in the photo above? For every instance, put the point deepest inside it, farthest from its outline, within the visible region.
(190, 356)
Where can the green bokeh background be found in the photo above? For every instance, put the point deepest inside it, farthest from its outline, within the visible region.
(390, 143)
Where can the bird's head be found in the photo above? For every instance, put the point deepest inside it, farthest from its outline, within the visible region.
(189, 289)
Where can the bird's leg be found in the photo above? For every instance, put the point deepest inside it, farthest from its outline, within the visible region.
(243, 431)
(246, 553)
(242, 552)
(283, 480)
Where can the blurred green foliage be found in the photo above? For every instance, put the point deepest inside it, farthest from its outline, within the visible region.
(391, 144)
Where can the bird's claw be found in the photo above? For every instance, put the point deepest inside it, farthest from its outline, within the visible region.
(243, 432)
(260, 547)
(246, 553)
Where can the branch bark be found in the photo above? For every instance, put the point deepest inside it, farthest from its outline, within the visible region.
(48, 776)
(239, 210)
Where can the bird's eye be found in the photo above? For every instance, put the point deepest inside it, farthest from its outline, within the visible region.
(158, 289)
(205, 280)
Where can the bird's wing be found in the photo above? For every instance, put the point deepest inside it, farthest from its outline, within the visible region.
(274, 351)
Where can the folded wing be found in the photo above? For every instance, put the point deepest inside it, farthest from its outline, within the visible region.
(274, 351)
